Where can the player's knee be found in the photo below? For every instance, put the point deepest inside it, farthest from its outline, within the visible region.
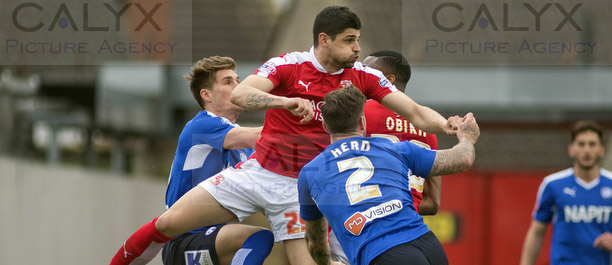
(267, 238)
(163, 226)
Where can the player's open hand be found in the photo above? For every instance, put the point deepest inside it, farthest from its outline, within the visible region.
(604, 241)
(300, 107)
(469, 128)
(452, 124)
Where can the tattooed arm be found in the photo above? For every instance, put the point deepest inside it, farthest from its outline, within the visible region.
(252, 94)
(316, 239)
(461, 156)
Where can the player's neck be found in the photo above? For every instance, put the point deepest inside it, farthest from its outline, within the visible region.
(341, 136)
(586, 174)
(228, 114)
(325, 60)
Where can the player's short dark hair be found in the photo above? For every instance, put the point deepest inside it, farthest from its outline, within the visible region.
(334, 20)
(343, 109)
(203, 73)
(586, 125)
(394, 63)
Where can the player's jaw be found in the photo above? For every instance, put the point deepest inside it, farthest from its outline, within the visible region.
(349, 62)
(587, 160)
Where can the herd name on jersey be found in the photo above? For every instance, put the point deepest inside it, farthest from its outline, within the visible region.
(362, 145)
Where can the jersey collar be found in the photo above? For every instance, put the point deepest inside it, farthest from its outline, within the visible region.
(586, 185)
(226, 120)
(318, 65)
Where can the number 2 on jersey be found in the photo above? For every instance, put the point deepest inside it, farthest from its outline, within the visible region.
(364, 172)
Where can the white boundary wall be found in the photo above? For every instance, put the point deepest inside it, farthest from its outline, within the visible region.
(61, 215)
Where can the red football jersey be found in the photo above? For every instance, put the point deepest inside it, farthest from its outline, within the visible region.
(382, 122)
(286, 145)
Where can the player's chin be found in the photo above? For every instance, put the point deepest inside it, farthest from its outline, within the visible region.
(349, 65)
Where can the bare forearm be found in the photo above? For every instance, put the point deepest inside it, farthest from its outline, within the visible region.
(318, 246)
(456, 159)
(253, 99)
(422, 117)
(428, 120)
(241, 137)
(533, 243)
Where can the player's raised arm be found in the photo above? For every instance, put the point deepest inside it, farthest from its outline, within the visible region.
(252, 94)
(422, 117)
(461, 156)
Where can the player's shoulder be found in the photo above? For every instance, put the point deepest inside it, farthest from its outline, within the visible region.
(558, 176)
(372, 104)
(360, 67)
(205, 120)
(606, 174)
(292, 58)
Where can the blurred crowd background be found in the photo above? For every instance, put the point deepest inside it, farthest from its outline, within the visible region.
(87, 136)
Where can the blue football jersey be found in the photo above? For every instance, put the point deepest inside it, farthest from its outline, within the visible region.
(361, 186)
(580, 212)
(200, 154)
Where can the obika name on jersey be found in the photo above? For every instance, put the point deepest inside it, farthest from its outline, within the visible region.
(587, 214)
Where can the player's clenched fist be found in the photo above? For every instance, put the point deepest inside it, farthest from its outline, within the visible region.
(299, 107)
(469, 128)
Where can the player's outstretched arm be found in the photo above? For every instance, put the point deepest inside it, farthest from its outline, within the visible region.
(316, 239)
(432, 191)
(461, 156)
(252, 94)
(241, 137)
(533, 242)
(422, 117)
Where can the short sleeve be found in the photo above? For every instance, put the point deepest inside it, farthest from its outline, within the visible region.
(376, 85)
(308, 208)
(211, 131)
(418, 159)
(272, 70)
(544, 210)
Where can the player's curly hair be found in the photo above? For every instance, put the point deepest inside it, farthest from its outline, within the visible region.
(343, 109)
(203, 72)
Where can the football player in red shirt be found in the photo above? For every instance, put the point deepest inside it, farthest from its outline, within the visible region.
(291, 88)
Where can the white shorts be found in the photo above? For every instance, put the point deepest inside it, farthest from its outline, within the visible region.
(252, 188)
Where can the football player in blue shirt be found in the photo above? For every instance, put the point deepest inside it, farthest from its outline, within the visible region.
(578, 201)
(360, 185)
(209, 143)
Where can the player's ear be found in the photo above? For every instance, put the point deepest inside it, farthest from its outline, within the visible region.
(205, 95)
(325, 127)
(362, 124)
(323, 39)
(391, 78)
